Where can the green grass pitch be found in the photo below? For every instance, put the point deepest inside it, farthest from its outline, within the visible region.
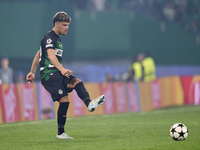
(127, 131)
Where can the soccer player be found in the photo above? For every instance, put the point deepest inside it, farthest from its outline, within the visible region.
(56, 79)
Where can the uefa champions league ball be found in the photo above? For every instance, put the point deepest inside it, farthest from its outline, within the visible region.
(179, 132)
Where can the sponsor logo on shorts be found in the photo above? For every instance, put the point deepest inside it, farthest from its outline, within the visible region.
(60, 91)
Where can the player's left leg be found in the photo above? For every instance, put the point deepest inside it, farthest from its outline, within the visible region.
(59, 93)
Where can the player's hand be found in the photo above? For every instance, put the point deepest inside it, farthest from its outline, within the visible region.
(30, 77)
(66, 72)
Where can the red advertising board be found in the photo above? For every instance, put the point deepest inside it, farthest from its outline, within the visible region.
(27, 93)
(20, 102)
(132, 97)
(94, 92)
(10, 103)
(109, 104)
(120, 95)
(156, 94)
(191, 88)
(78, 104)
(45, 103)
(195, 92)
(146, 101)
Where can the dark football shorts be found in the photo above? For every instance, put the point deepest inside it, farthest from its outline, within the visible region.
(57, 85)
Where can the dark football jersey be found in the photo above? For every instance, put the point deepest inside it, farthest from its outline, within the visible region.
(50, 41)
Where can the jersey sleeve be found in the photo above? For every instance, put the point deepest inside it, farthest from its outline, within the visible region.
(49, 43)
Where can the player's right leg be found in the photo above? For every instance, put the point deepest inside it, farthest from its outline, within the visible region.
(96, 102)
(78, 85)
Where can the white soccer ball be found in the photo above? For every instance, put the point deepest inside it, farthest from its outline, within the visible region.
(179, 132)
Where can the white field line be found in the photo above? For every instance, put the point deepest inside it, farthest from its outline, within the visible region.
(25, 123)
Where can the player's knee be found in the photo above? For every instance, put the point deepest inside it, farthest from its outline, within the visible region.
(64, 99)
(74, 81)
(77, 81)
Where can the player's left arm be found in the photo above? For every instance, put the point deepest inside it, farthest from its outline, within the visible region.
(31, 75)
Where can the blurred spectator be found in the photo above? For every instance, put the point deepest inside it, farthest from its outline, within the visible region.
(149, 68)
(169, 11)
(6, 73)
(109, 78)
(136, 69)
(193, 27)
(127, 76)
(198, 38)
(185, 13)
(100, 5)
(79, 4)
(130, 76)
(20, 78)
(140, 58)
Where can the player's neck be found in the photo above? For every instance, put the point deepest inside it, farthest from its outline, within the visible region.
(56, 32)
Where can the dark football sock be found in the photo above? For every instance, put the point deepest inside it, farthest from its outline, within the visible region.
(62, 116)
(82, 93)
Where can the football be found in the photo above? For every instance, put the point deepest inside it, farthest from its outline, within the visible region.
(179, 132)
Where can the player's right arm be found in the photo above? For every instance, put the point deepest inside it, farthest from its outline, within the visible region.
(31, 75)
(52, 57)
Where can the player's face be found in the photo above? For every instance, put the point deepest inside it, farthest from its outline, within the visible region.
(62, 27)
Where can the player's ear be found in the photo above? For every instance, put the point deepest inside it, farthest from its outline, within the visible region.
(56, 24)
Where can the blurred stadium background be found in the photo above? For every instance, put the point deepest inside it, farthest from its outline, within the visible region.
(101, 41)
(105, 40)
